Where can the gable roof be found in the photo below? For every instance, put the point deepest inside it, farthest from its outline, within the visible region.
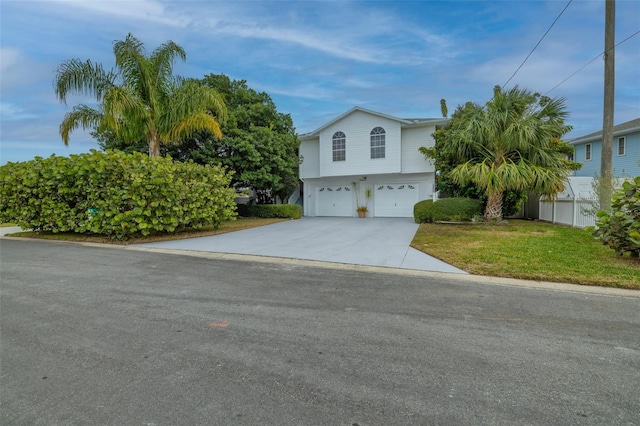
(402, 121)
(620, 129)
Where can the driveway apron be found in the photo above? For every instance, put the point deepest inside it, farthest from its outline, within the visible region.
(369, 241)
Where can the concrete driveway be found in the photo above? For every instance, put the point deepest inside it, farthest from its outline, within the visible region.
(9, 230)
(371, 241)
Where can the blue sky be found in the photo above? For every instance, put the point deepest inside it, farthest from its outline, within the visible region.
(319, 59)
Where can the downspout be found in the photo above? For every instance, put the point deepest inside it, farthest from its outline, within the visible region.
(304, 204)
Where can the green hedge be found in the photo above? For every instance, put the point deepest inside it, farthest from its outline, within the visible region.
(446, 209)
(113, 193)
(292, 211)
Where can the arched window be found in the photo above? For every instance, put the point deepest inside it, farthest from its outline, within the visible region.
(339, 146)
(377, 142)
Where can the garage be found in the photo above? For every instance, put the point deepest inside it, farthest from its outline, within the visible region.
(334, 200)
(395, 199)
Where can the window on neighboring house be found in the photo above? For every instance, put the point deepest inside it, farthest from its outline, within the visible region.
(622, 142)
(587, 152)
(339, 146)
(377, 142)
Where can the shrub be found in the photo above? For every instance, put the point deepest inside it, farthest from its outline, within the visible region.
(292, 211)
(620, 229)
(447, 209)
(423, 211)
(114, 193)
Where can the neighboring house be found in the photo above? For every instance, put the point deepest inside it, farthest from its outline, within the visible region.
(626, 151)
(362, 150)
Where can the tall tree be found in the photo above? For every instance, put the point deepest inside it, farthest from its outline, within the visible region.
(510, 144)
(139, 99)
(259, 143)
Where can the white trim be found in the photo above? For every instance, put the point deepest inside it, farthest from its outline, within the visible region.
(403, 121)
(624, 146)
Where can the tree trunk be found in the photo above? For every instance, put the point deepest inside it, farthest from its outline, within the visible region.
(493, 211)
(154, 144)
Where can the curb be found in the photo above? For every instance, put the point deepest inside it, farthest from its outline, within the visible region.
(477, 279)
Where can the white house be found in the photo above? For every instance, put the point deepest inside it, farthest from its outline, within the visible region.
(626, 151)
(362, 150)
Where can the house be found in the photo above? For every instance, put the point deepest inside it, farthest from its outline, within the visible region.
(626, 151)
(366, 150)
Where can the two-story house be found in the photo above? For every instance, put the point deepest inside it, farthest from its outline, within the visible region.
(365, 150)
(626, 151)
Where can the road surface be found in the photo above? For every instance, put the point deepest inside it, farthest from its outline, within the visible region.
(114, 336)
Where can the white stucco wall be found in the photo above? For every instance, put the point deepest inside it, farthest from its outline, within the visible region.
(412, 140)
(357, 128)
(310, 166)
(425, 183)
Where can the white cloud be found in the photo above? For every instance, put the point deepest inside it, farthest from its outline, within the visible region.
(139, 10)
(304, 91)
(11, 112)
(372, 37)
(318, 59)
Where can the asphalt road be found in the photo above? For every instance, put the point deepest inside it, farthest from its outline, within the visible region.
(113, 336)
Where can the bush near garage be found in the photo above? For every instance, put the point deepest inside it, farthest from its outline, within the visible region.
(113, 193)
(447, 209)
(291, 211)
(620, 229)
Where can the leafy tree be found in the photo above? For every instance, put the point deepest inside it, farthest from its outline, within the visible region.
(259, 144)
(512, 144)
(140, 99)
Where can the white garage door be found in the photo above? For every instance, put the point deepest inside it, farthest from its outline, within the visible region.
(395, 200)
(334, 201)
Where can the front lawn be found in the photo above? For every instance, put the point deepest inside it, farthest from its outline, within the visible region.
(529, 250)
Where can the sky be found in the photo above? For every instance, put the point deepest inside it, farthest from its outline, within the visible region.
(318, 59)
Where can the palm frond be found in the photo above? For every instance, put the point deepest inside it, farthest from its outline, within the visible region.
(191, 99)
(162, 60)
(136, 69)
(192, 123)
(80, 116)
(125, 111)
(75, 76)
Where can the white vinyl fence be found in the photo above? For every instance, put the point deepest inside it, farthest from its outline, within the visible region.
(573, 206)
(573, 212)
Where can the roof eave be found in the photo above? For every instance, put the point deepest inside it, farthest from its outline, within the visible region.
(598, 136)
(403, 121)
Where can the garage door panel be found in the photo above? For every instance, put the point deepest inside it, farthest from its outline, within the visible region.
(334, 200)
(395, 200)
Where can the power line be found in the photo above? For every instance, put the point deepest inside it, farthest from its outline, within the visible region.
(585, 65)
(538, 44)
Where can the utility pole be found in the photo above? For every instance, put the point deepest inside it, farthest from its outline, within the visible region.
(606, 185)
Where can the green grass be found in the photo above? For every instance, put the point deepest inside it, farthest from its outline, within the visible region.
(529, 250)
(520, 249)
(6, 225)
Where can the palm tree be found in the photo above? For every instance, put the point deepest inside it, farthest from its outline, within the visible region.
(512, 144)
(139, 99)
